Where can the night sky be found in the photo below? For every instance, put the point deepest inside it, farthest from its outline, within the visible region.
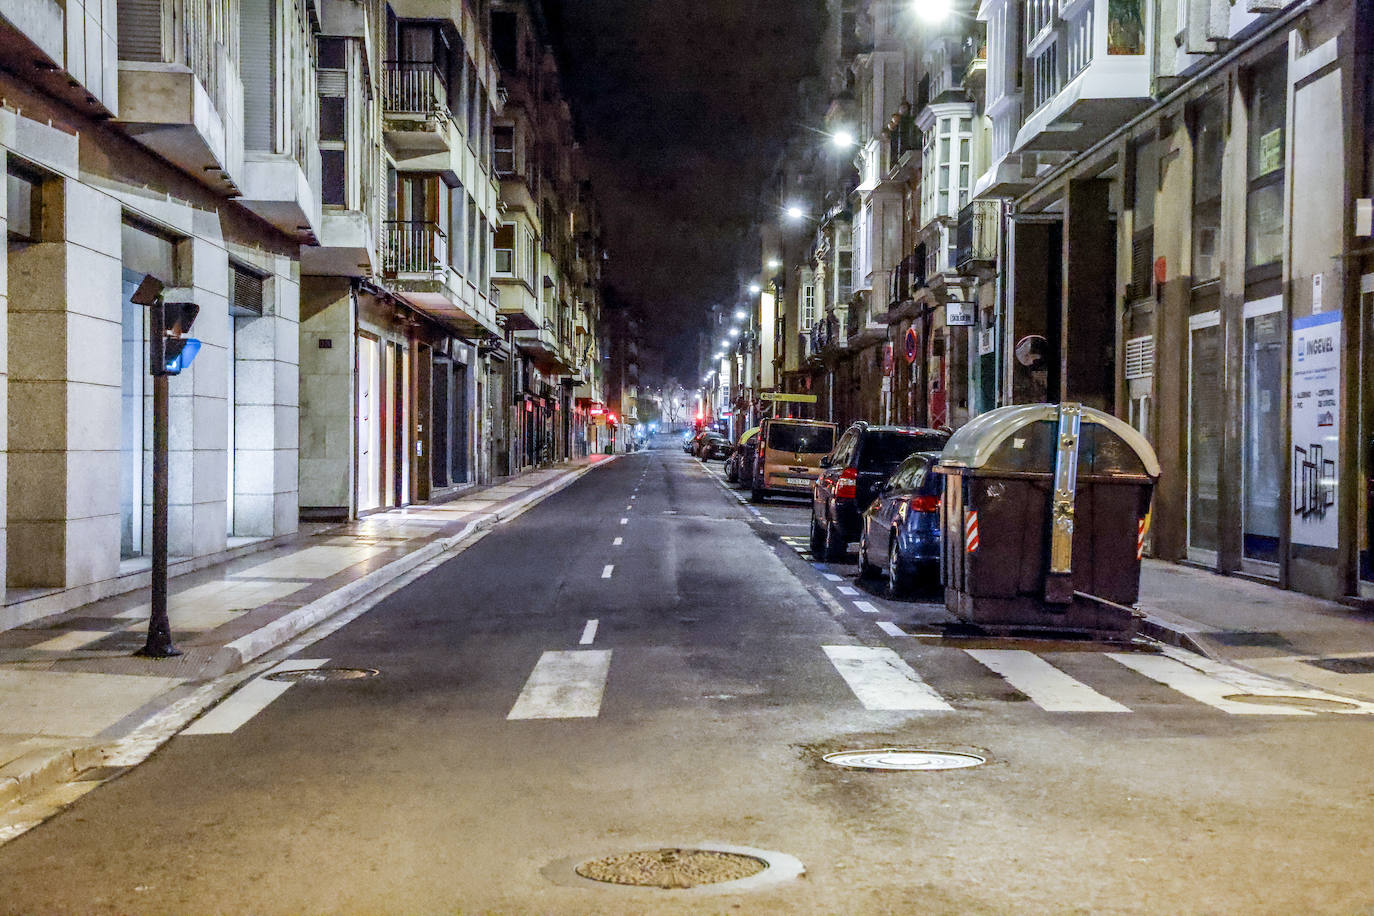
(683, 105)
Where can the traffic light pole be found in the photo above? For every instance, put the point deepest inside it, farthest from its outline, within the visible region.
(159, 644)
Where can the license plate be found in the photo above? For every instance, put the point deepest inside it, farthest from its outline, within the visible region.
(799, 481)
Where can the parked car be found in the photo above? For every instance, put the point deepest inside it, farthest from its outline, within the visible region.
(712, 445)
(865, 457)
(900, 531)
(789, 456)
(742, 451)
(689, 439)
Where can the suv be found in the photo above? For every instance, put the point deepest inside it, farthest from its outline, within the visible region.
(865, 457)
(789, 456)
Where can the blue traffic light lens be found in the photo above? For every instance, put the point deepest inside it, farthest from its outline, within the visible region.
(190, 347)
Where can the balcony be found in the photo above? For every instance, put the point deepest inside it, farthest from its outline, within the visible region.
(415, 259)
(907, 276)
(416, 118)
(975, 237)
(346, 249)
(863, 324)
(541, 345)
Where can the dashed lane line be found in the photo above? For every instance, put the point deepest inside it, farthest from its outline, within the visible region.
(589, 632)
(617, 542)
(607, 570)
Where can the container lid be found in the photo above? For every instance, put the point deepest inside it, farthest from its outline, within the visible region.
(1022, 438)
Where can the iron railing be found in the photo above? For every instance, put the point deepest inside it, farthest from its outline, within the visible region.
(902, 138)
(414, 87)
(413, 246)
(975, 236)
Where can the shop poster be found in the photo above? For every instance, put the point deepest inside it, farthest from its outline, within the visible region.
(1316, 378)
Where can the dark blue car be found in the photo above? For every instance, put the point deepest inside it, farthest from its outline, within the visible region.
(901, 527)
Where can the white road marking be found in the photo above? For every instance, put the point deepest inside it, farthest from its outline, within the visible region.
(624, 521)
(71, 640)
(847, 590)
(891, 629)
(249, 700)
(832, 577)
(628, 508)
(632, 496)
(1046, 686)
(866, 607)
(1210, 682)
(564, 685)
(589, 632)
(881, 680)
(617, 542)
(607, 570)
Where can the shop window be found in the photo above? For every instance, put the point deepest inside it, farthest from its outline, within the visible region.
(1267, 108)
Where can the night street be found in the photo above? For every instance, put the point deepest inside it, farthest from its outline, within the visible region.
(642, 662)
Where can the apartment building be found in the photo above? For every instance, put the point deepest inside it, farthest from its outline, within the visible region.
(548, 251)
(149, 137)
(1159, 209)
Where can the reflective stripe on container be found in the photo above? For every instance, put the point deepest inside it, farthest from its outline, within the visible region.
(970, 530)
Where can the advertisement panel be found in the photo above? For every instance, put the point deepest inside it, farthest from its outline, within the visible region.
(1315, 386)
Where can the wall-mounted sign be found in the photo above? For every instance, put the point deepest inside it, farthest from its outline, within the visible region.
(959, 314)
(912, 344)
(1315, 384)
(987, 341)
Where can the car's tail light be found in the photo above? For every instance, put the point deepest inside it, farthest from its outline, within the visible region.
(847, 486)
(925, 504)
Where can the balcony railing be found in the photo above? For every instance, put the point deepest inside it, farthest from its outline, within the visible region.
(413, 246)
(909, 274)
(414, 87)
(975, 240)
(902, 138)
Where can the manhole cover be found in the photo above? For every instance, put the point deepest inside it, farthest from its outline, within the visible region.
(1363, 664)
(1315, 704)
(308, 675)
(672, 868)
(904, 758)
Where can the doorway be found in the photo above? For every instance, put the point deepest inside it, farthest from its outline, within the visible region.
(1262, 469)
(1204, 435)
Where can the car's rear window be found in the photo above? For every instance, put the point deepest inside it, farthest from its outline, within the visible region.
(799, 437)
(884, 450)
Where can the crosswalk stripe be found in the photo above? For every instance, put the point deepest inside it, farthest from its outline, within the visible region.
(866, 606)
(1204, 688)
(831, 577)
(847, 590)
(1252, 682)
(1045, 685)
(891, 629)
(564, 685)
(882, 681)
(249, 700)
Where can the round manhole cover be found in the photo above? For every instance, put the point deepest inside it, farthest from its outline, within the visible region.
(315, 675)
(1313, 704)
(672, 868)
(904, 758)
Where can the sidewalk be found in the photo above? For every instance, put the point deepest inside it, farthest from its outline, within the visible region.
(1323, 644)
(70, 687)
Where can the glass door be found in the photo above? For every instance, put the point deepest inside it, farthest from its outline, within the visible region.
(1262, 445)
(1204, 435)
(369, 431)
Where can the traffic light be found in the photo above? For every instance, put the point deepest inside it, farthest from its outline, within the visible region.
(169, 349)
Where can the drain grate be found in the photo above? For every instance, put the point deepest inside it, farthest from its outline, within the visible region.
(316, 675)
(1315, 704)
(1363, 664)
(904, 758)
(672, 869)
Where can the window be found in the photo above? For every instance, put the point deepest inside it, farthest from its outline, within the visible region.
(457, 229)
(472, 240)
(333, 178)
(504, 247)
(808, 306)
(332, 118)
(1209, 139)
(505, 150)
(1267, 102)
(331, 53)
(483, 244)
(23, 188)
(1125, 27)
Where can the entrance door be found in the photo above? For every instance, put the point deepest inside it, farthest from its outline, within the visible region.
(1263, 444)
(369, 410)
(1204, 435)
(439, 414)
(1366, 534)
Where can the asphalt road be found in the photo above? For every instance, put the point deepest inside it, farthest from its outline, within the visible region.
(508, 738)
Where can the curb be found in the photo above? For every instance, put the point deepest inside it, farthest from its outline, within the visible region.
(1173, 634)
(39, 770)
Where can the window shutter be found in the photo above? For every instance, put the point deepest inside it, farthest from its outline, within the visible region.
(1142, 258)
(258, 69)
(245, 291)
(140, 30)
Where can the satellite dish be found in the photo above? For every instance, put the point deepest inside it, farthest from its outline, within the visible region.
(1032, 350)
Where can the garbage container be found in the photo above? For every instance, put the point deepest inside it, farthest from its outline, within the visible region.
(1044, 518)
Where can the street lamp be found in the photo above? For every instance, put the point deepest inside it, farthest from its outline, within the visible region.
(774, 263)
(734, 332)
(740, 315)
(842, 139)
(755, 288)
(932, 11)
(794, 212)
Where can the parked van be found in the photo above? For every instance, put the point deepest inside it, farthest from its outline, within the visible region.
(789, 456)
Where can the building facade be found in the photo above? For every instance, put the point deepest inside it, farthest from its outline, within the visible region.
(1157, 209)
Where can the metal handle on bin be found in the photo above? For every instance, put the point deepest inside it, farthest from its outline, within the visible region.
(1062, 504)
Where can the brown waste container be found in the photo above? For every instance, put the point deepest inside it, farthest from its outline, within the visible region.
(1044, 516)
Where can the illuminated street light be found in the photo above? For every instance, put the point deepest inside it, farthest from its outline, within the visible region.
(755, 288)
(795, 212)
(740, 315)
(774, 263)
(843, 139)
(933, 10)
(734, 332)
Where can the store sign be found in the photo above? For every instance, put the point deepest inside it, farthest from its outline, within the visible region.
(1315, 383)
(959, 314)
(987, 341)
